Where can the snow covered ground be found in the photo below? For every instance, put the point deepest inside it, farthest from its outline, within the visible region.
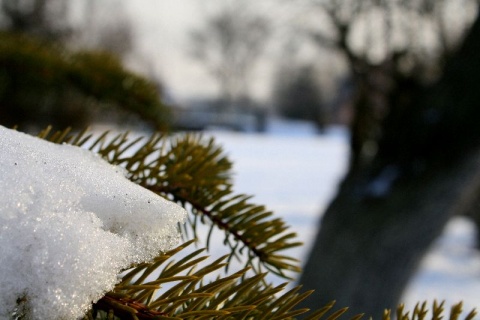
(295, 173)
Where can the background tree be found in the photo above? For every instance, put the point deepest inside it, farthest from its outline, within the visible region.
(44, 80)
(47, 19)
(42, 83)
(229, 46)
(297, 95)
(414, 146)
(104, 27)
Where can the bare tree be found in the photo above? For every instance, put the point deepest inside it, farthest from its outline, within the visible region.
(384, 40)
(297, 94)
(229, 46)
(414, 145)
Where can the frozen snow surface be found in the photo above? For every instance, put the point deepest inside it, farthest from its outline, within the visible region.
(295, 173)
(69, 223)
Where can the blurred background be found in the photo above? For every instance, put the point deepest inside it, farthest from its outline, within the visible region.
(314, 100)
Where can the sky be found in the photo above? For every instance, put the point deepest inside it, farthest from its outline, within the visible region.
(160, 29)
(163, 29)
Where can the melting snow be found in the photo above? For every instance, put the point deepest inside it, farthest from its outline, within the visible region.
(69, 223)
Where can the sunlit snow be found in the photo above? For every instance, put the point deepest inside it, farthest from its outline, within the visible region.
(69, 223)
(295, 173)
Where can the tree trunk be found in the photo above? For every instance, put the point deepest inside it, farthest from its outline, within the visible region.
(368, 248)
(390, 209)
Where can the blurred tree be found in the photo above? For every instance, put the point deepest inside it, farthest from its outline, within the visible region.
(105, 26)
(414, 145)
(47, 19)
(297, 95)
(228, 46)
(42, 83)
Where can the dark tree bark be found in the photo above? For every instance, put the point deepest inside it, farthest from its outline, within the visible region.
(391, 206)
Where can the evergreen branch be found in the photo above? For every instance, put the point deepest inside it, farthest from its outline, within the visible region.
(51, 75)
(229, 297)
(260, 239)
(196, 173)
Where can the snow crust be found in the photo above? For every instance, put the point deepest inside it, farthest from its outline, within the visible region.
(69, 223)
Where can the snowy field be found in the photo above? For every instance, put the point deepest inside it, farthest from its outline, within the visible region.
(295, 173)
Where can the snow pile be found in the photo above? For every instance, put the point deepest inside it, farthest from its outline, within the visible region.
(69, 223)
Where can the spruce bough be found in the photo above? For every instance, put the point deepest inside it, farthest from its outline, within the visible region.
(184, 283)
